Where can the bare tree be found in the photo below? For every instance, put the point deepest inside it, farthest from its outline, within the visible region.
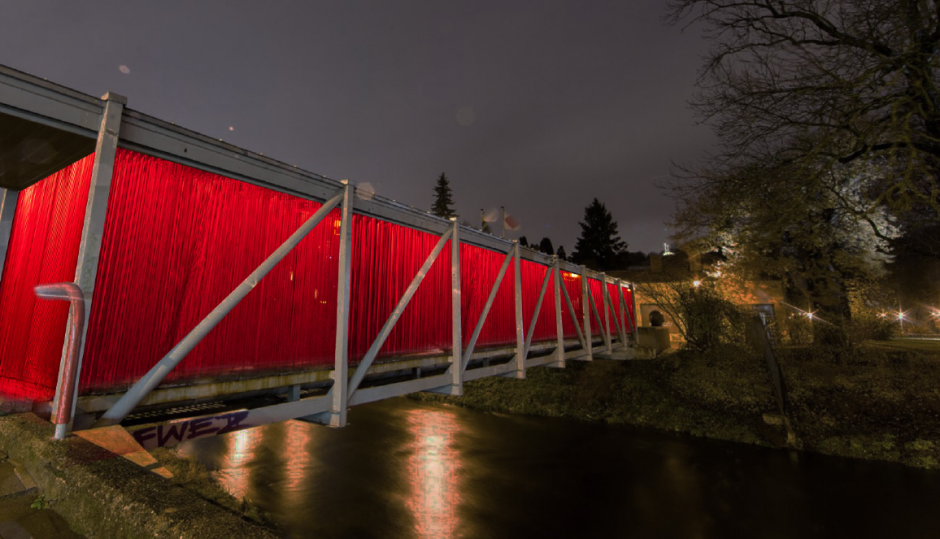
(814, 83)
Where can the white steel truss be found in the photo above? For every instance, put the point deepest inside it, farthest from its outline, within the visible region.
(114, 126)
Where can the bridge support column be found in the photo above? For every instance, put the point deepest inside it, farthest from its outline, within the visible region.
(340, 392)
(293, 393)
(456, 366)
(96, 209)
(520, 321)
(633, 300)
(455, 371)
(8, 199)
(608, 345)
(586, 313)
(559, 362)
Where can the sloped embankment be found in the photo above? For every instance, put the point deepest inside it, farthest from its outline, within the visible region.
(104, 495)
(874, 403)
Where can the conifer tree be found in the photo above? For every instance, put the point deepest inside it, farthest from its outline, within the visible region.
(561, 252)
(599, 246)
(546, 246)
(442, 199)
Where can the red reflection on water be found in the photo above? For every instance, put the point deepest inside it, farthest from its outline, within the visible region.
(434, 466)
(296, 456)
(241, 451)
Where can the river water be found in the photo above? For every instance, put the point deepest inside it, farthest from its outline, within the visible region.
(403, 469)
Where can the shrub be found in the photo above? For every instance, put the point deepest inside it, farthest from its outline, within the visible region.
(707, 318)
(866, 327)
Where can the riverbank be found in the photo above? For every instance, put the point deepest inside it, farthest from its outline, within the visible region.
(880, 402)
(101, 494)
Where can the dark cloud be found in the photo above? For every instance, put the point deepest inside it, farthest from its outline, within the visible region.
(535, 105)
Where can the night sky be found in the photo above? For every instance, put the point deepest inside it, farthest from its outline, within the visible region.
(538, 105)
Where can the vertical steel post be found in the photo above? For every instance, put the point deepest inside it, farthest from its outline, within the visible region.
(456, 365)
(608, 347)
(8, 199)
(341, 367)
(520, 320)
(96, 209)
(559, 325)
(633, 300)
(293, 393)
(586, 313)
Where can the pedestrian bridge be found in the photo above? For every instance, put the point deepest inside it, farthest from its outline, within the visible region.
(223, 289)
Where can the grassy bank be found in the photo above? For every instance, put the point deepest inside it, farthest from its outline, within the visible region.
(878, 402)
(193, 476)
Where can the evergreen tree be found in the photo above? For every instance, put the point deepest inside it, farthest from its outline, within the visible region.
(546, 246)
(561, 252)
(523, 241)
(599, 246)
(442, 199)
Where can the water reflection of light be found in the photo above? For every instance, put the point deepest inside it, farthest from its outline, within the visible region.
(235, 475)
(434, 466)
(296, 457)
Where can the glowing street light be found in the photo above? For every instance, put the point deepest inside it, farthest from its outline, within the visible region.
(696, 284)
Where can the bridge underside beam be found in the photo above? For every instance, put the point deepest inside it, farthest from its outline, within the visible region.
(213, 389)
(316, 408)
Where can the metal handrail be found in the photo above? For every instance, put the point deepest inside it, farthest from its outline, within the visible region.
(69, 371)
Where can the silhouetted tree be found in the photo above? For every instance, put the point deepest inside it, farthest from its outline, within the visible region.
(814, 86)
(546, 246)
(599, 246)
(635, 258)
(442, 199)
(561, 252)
(523, 241)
